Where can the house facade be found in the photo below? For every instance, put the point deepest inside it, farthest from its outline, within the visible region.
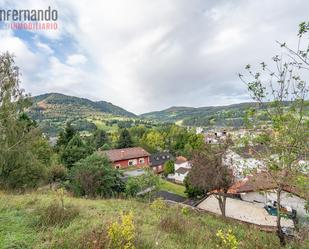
(182, 168)
(128, 157)
(158, 160)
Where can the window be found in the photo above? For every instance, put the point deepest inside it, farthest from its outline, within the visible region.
(132, 162)
(167, 156)
(163, 157)
(141, 160)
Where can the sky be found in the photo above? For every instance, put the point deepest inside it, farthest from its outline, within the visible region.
(147, 55)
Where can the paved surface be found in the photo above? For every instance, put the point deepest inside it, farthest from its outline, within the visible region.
(133, 173)
(244, 211)
(170, 196)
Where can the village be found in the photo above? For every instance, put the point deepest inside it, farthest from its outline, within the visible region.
(250, 199)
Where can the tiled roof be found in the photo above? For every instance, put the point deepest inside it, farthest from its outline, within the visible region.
(182, 170)
(181, 159)
(124, 154)
(260, 182)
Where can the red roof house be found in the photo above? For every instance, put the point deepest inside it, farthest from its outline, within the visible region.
(127, 157)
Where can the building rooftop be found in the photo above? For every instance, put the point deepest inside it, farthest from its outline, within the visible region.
(124, 154)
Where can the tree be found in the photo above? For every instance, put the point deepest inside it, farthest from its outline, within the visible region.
(21, 165)
(75, 151)
(94, 176)
(100, 138)
(154, 140)
(169, 167)
(282, 94)
(191, 191)
(65, 136)
(124, 140)
(141, 183)
(210, 174)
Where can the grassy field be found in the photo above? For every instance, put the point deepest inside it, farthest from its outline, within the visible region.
(33, 221)
(172, 187)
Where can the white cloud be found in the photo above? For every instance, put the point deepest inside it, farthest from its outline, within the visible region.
(145, 55)
(76, 59)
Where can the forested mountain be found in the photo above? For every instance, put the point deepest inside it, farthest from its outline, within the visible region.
(204, 116)
(53, 110)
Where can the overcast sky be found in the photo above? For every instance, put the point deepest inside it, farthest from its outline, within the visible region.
(146, 55)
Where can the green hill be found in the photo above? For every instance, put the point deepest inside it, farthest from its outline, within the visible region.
(37, 220)
(203, 116)
(53, 110)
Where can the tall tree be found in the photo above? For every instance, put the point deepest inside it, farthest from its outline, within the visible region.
(124, 140)
(100, 138)
(75, 151)
(65, 136)
(210, 174)
(282, 95)
(20, 164)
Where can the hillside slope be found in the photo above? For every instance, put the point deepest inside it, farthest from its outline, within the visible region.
(52, 110)
(27, 222)
(203, 116)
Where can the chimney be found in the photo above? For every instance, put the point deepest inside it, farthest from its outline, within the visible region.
(122, 154)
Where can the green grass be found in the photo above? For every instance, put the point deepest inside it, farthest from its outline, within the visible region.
(171, 229)
(173, 187)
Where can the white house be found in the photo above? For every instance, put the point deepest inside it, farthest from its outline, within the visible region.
(260, 188)
(182, 168)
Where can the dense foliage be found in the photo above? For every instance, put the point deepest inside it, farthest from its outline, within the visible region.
(95, 177)
(24, 153)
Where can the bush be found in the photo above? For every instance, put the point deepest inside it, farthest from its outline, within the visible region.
(95, 239)
(137, 184)
(227, 240)
(56, 215)
(169, 167)
(95, 177)
(57, 173)
(173, 224)
(122, 234)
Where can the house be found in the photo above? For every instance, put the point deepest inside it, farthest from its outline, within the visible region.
(182, 168)
(261, 188)
(127, 157)
(157, 161)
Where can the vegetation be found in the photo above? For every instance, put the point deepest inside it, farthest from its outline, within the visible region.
(144, 184)
(169, 167)
(24, 153)
(288, 139)
(170, 229)
(95, 177)
(173, 188)
(125, 140)
(210, 174)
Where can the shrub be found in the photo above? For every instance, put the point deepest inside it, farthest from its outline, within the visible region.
(57, 173)
(173, 224)
(96, 239)
(159, 207)
(137, 184)
(169, 167)
(94, 176)
(122, 234)
(56, 215)
(227, 240)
